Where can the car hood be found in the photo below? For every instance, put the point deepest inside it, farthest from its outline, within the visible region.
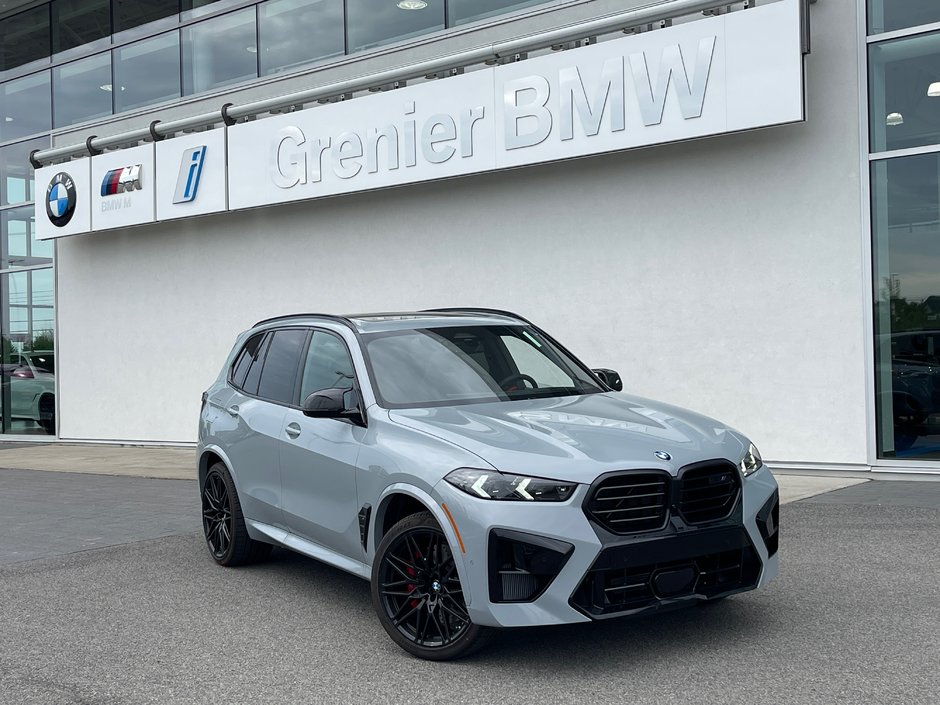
(577, 438)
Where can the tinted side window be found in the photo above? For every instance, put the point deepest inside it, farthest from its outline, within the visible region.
(281, 364)
(328, 365)
(254, 372)
(243, 362)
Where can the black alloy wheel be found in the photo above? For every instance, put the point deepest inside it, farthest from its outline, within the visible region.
(217, 515)
(417, 593)
(223, 524)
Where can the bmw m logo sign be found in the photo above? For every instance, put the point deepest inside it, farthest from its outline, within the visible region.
(121, 180)
(60, 199)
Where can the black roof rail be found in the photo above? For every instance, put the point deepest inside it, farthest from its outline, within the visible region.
(474, 309)
(339, 319)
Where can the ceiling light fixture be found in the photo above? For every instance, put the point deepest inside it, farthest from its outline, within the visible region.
(412, 4)
(894, 119)
(933, 90)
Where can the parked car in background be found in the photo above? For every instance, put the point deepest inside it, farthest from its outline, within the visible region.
(30, 378)
(477, 473)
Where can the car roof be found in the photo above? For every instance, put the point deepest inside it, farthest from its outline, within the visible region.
(405, 320)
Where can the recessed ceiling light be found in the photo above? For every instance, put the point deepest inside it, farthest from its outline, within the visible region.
(412, 4)
(933, 90)
(8, 119)
(894, 119)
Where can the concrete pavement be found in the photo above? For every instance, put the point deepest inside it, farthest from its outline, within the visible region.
(177, 463)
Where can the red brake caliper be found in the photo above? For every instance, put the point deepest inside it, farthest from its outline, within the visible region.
(411, 586)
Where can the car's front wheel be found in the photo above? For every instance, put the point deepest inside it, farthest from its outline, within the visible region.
(417, 593)
(223, 524)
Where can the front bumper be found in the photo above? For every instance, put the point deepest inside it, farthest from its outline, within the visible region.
(604, 575)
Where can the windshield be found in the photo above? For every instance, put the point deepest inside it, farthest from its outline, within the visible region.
(471, 364)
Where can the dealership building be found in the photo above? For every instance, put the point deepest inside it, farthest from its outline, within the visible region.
(736, 206)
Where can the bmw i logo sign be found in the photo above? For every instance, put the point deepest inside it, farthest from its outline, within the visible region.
(60, 199)
(662, 455)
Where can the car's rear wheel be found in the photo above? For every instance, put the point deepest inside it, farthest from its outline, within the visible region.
(223, 523)
(417, 593)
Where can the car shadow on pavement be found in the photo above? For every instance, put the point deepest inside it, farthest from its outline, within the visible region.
(590, 646)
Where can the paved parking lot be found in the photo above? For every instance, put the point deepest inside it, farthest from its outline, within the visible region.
(854, 617)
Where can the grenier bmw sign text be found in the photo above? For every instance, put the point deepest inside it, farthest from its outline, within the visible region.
(527, 117)
(737, 71)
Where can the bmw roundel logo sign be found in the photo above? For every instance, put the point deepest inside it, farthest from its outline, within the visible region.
(60, 199)
(662, 455)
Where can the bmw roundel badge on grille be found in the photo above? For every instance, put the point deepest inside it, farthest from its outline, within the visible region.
(662, 455)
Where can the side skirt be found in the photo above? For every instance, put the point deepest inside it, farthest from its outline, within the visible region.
(308, 548)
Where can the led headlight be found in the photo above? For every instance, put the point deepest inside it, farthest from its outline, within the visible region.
(489, 484)
(751, 462)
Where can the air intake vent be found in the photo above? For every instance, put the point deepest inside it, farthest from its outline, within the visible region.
(708, 491)
(630, 502)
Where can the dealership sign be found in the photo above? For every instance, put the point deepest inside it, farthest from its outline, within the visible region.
(738, 71)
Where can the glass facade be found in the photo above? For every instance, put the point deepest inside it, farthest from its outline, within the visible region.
(58, 55)
(220, 51)
(67, 62)
(82, 89)
(27, 300)
(295, 32)
(904, 114)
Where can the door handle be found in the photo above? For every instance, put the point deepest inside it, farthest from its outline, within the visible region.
(292, 430)
(232, 410)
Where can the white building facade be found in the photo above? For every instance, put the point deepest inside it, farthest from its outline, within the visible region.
(724, 206)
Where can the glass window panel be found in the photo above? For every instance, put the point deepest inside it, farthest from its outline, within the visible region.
(25, 106)
(254, 371)
(220, 51)
(147, 72)
(295, 32)
(906, 248)
(16, 173)
(78, 23)
(888, 15)
(281, 364)
(193, 9)
(129, 14)
(328, 365)
(463, 11)
(24, 38)
(18, 246)
(82, 90)
(370, 23)
(904, 92)
(27, 393)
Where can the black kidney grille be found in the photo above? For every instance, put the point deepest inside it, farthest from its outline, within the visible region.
(630, 502)
(708, 492)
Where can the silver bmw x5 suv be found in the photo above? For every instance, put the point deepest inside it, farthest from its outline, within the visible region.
(476, 473)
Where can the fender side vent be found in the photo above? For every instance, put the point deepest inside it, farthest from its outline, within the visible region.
(364, 515)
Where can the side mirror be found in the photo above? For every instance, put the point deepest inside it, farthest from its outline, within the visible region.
(331, 404)
(610, 377)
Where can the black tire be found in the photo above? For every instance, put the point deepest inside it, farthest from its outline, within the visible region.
(47, 413)
(223, 523)
(416, 549)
